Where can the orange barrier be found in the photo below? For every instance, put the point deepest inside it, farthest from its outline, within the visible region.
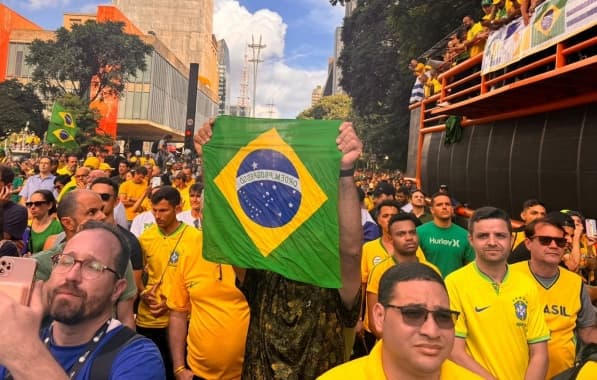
(558, 77)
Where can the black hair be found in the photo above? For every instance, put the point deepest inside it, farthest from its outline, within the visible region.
(48, 197)
(440, 194)
(402, 273)
(532, 202)
(489, 212)
(403, 216)
(168, 193)
(551, 219)
(105, 181)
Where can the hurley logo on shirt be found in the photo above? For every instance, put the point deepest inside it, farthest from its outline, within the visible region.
(442, 241)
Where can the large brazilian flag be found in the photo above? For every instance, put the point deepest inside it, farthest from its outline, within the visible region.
(271, 196)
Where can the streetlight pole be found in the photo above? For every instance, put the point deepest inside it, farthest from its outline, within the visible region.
(255, 60)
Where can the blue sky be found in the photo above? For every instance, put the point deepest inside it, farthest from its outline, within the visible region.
(299, 35)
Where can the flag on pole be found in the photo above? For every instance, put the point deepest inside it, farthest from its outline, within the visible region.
(271, 197)
(62, 128)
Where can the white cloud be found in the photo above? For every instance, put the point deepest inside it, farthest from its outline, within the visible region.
(289, 88)
(39, 4)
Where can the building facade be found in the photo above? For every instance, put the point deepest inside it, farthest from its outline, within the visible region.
(223, 78)
(154, 102)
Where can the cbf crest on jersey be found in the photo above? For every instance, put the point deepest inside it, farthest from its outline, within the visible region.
(520, 308)
(271, 197)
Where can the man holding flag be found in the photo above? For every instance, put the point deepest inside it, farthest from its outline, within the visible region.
(297, 319)
(62, 128)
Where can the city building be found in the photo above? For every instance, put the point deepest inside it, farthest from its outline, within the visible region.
(332, 85)
(154, 102)
(223, 78)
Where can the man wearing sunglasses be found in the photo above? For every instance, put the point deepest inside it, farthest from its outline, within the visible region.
(501, 332)
(565, 299)
(417, 328)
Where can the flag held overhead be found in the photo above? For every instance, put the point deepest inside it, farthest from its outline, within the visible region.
(62, 128)
(272, 187)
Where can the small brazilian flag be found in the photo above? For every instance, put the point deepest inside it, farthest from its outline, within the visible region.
(271, 197)
(62, 128)
(549, 21)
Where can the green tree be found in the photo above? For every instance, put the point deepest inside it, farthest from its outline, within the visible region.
(19, 106)
(334, 107)
(68, 63)
(379, 39)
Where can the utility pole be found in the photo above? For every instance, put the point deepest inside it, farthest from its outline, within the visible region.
(243, 100)
(270, 109)
(255, 60)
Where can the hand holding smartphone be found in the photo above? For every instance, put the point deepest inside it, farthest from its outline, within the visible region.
(16, 277)
(591, 228)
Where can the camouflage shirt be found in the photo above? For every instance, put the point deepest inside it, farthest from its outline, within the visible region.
(296, 328)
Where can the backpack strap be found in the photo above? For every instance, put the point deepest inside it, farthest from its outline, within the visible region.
(102, 363)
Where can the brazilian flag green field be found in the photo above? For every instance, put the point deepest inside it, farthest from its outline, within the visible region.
(271, 196)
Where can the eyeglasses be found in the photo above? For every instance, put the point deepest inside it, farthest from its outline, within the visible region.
(105, 196)
(90, 269)
(415, 316)
(36, 203)
(546, 240)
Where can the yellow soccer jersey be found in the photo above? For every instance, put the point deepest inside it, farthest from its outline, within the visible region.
(161, 255)
(219, 316)
(561, 304)
(381, 268)
(133, 191)
(498, 321)
(373, 253)
(370, 368)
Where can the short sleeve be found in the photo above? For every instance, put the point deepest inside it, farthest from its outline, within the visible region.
(537, 330)
(461, 329)
(140, 360)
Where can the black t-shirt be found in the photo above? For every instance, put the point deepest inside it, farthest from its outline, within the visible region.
(136, 255)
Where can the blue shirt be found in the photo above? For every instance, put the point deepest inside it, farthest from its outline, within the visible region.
(35, 182)
(138, 360)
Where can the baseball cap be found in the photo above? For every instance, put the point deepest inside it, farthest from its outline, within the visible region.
(384, 188)
(105, 166)
(486, 2)
(92, 162)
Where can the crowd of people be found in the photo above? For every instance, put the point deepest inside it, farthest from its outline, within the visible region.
(467, 42)
(422, 297)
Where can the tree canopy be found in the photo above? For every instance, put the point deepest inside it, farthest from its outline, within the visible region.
(68, 63)
(380, 38)
(20, 107)
(334, 107)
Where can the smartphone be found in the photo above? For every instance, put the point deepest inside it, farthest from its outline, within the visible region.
(591, 227)
(156, 181)
(16, 277)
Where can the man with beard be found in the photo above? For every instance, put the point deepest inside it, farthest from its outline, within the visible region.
(77, 208)
(85, 283)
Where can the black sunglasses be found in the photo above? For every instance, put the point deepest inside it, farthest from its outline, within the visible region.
(36, 203)
(105, 196)
(546, 240)
(414, 315)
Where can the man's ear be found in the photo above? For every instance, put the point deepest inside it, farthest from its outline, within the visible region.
(119, 288)
(379, 313)
(68, 223)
